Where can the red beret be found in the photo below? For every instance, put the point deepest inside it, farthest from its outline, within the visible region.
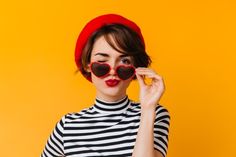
(96, 24)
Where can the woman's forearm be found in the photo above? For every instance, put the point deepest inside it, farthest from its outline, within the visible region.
(144, 145)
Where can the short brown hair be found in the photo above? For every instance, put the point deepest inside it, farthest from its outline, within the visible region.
(126, 41)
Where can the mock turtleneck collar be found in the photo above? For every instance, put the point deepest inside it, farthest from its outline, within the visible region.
(116, 107)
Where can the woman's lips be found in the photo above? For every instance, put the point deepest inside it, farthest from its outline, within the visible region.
(112, 83)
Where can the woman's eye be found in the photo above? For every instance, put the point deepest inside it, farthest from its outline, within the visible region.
(101, 61)
(126, 61)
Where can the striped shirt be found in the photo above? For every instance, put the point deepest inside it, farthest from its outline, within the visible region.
(104, 129)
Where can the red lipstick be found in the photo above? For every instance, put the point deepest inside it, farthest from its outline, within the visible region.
(112, 83)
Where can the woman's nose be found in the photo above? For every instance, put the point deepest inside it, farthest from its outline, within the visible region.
(113, 69)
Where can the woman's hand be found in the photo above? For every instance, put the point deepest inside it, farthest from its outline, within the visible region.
(149, 94)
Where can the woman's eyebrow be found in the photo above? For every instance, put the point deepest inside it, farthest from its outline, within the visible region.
(102, 54)
(124, 55)
(107, 55)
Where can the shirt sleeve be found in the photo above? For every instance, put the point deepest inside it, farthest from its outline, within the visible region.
(161, 129)
(55, 144)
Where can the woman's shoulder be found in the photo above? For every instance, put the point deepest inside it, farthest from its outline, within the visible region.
(162, 114)
(161, 111)
(159, 108)
(74, 116)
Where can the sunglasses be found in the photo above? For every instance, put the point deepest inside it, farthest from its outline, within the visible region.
(124, 72)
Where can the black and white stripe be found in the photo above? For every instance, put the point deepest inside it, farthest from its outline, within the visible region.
(104, 129)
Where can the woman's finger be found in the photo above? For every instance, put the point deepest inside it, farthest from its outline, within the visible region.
(140, 80)
(144, 70)
(149, 74)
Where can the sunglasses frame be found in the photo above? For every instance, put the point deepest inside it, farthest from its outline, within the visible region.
(90, 66)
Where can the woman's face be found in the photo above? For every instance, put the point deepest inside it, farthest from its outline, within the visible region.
(110, 87)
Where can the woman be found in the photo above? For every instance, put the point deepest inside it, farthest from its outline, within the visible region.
(110, 53)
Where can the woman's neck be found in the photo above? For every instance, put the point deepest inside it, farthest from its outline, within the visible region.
(110, 98)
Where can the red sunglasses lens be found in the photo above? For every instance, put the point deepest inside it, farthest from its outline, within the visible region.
(125, 72)
(100, 69)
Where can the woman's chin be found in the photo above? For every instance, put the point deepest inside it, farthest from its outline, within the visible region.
(114, 93)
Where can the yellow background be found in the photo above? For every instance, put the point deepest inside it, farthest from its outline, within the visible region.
(192, 44)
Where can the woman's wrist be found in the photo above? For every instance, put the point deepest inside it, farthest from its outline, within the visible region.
(148, 108)
(148, 114)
